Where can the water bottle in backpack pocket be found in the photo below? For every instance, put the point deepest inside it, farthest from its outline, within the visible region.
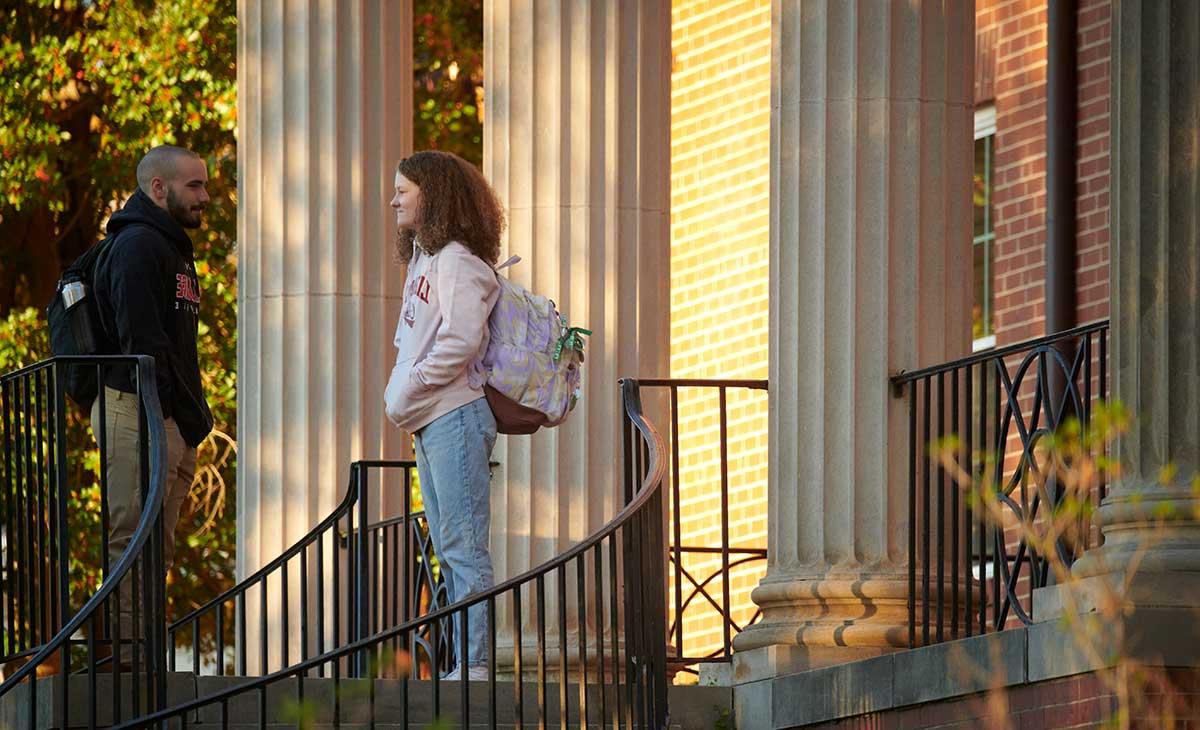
(74, 321)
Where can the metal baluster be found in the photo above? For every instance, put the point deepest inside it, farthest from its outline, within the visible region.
(725, 577)
(968, 517)
(540, 584)
(941, 509)
(676, 521)
(581, 603)
(925, 515)
(954, 513)
(562, 646)
(913, 525)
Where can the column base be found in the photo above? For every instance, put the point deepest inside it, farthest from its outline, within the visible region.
(1150, 618)
(1114, 595)
(778, 660)
(1137, 595)
(1146, 531)
(815, 622)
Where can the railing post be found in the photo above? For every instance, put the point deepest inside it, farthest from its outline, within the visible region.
(362, 591)
(60, 479)
(60, 433)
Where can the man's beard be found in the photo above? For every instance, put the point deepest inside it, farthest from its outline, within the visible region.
(183, 215)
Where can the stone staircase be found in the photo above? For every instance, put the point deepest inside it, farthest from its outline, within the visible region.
(692, 707)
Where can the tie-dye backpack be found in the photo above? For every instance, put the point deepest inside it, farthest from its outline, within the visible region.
(533, 360)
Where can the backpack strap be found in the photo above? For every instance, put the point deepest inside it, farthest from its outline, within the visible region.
(89, 268)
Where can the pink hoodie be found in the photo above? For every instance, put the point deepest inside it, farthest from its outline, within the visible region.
(441, 336)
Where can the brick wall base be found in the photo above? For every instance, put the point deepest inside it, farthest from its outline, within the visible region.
(1082, 701)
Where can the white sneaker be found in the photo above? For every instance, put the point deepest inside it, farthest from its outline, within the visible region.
(475, 673)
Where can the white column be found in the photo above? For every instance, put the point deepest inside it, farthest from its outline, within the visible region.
(325, 112)
(576, 143)
(1150, 526)
(871, 126)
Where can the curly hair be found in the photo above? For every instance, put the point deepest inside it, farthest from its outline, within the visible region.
(457, 204)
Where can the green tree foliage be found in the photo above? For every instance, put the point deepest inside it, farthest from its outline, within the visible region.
(86, 87)
(448, 77)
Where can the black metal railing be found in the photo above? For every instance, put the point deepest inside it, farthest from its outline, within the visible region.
(56, 621)
(700, 590)
(336, 585)
(969, 573)
(597, 655)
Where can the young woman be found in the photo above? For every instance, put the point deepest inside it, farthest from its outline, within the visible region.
(449, 224)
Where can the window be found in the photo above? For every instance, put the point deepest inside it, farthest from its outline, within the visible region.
(983, 310)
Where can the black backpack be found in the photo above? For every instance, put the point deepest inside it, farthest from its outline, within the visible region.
(75, 326)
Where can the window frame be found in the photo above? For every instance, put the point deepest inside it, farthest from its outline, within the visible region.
(985, 126)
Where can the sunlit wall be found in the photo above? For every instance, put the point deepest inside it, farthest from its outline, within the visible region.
(720, 114)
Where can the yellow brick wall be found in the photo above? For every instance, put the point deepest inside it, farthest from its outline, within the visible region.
(720, 116)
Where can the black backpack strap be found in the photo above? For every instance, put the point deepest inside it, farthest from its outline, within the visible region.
(92, 258)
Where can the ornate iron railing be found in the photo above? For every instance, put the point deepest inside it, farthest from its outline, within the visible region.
(597, 608)
(48, 546)
(968, 573)
(708, 596)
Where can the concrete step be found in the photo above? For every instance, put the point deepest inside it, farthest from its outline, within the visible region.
(311, 703)
(387, 726)
(16, 710)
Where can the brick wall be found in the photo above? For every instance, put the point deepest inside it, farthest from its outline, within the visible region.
(720, 210)
(1092, 206)
(1018, 29)
(1080, 701)
(720, 152)
(1020, 169)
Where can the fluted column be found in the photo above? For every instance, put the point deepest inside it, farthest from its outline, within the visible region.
(576, 143)
(871, 126)
(325, 112)
(1149, 522)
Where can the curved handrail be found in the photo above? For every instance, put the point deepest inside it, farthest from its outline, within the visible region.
(157, 448)
(650, 486)
(348, 518)
(341, 510)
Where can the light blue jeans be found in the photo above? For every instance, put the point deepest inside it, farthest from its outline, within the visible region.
(452, 462)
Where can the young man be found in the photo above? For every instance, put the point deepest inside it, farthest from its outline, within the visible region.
(149, 302)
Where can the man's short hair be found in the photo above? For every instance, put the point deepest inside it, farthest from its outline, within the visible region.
(160, 162)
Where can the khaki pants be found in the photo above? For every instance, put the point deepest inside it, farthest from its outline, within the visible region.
(124, 487)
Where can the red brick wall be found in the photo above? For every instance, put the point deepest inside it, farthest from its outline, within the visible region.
(1092, 198)
(1018, 29)
(1019, 205)
(1081, 701)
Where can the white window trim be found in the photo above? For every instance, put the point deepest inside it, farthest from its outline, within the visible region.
(985, 121)
(985, 124)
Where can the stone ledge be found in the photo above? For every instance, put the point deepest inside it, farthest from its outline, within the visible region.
(956, 668)
(840, 691)
(1037, 653)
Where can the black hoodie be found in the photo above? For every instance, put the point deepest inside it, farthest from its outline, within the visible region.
(149, 300)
